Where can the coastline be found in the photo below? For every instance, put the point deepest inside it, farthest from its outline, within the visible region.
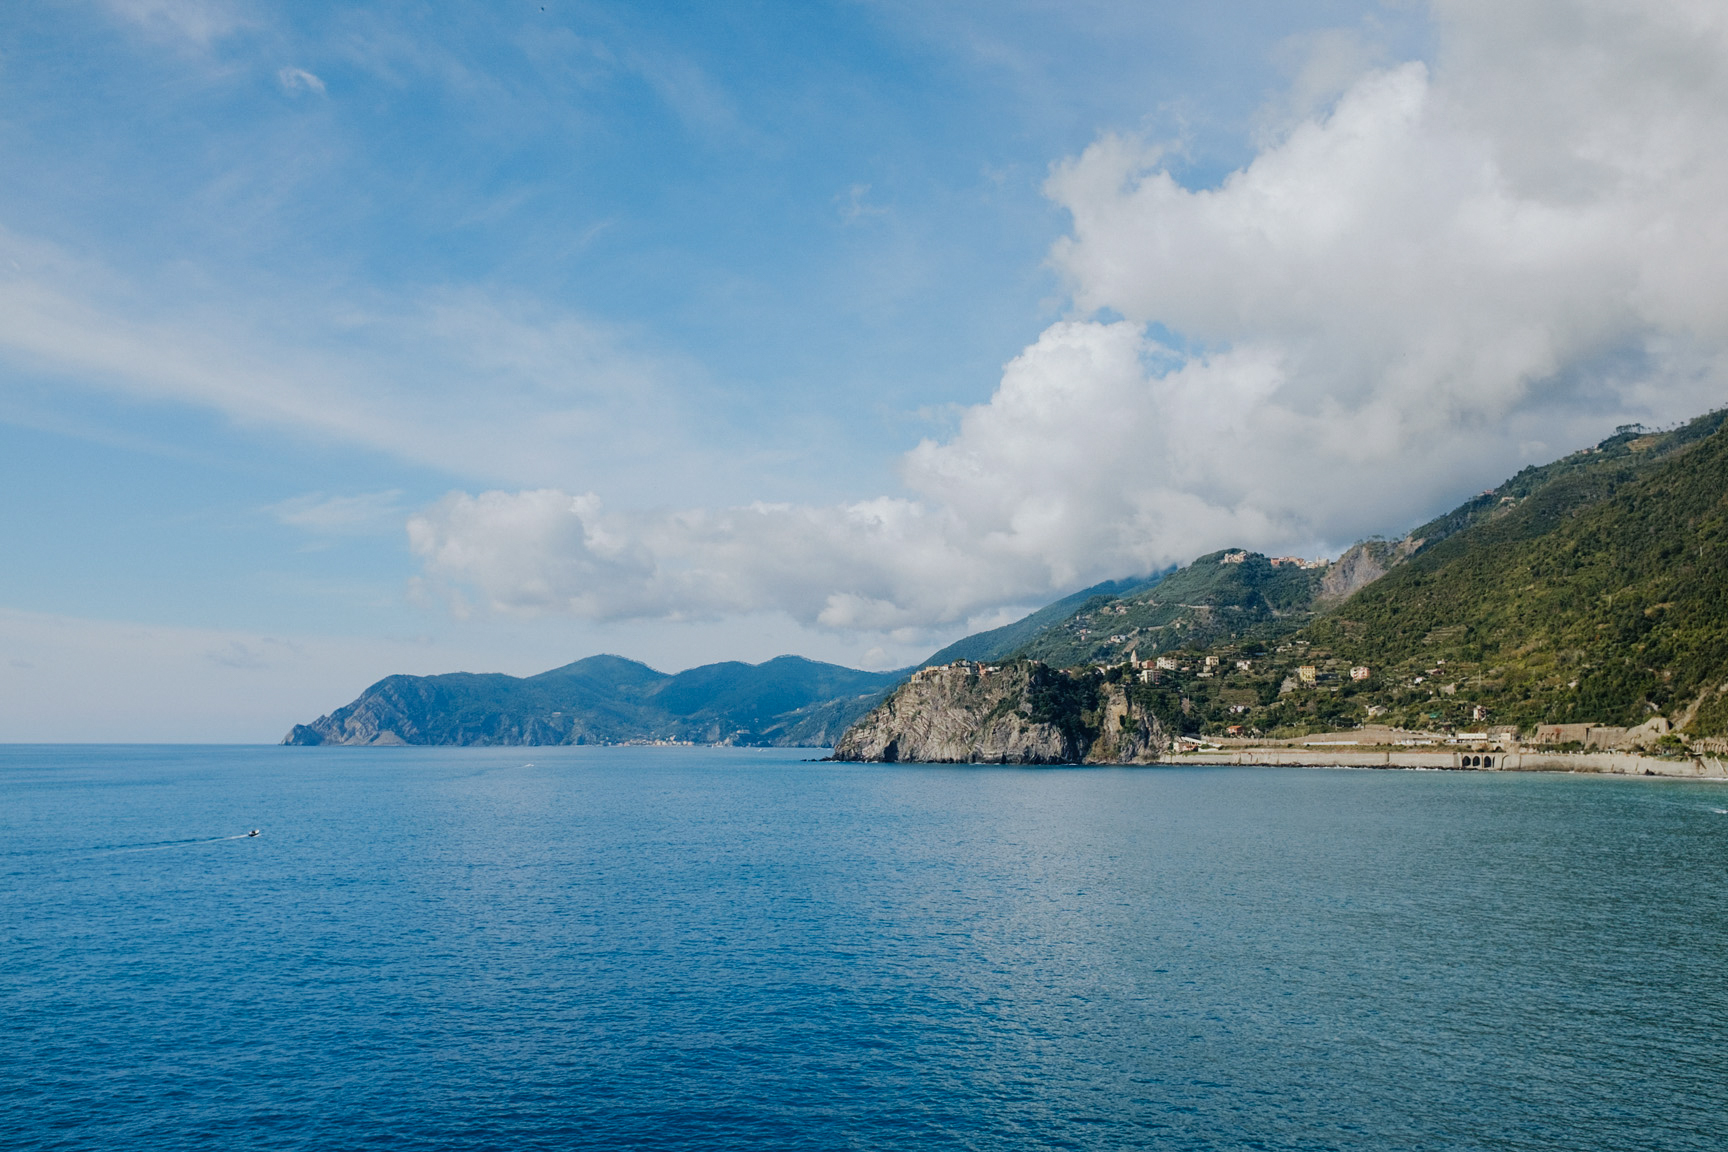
(1593, 763)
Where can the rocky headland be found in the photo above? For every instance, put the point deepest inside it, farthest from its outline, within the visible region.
(1020, 712)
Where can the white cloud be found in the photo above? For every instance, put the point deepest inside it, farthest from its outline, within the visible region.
(299, 80)
(1045, 487)
(854, 205)
(1523, 244)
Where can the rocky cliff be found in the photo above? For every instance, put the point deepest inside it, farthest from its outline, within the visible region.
(1126, 734)
(1023, 712)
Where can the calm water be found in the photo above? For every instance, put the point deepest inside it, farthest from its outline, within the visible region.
(726, 949)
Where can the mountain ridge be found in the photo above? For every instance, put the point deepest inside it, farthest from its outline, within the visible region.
(1260, 619)
(606, 699)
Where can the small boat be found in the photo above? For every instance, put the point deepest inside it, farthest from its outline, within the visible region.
(254, 832)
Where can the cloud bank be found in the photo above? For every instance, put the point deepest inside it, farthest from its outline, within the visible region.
(1458, 267)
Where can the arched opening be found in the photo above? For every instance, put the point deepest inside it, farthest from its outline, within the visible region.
(1487, 761)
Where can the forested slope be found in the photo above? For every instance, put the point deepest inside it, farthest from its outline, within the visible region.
(1599, 595)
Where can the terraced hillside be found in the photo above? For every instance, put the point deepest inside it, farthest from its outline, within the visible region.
(1590, 590)
(1223, 597)
(1598, 595)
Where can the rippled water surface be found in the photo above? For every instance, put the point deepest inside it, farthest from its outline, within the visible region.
(729, 949)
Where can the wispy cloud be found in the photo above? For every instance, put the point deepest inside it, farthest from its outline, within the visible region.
(854, 204)
(365, 513)
(689, 92)
(295, 80)
(459, 380)
(192, 23)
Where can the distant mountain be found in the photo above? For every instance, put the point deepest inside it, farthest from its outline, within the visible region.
(788, 701)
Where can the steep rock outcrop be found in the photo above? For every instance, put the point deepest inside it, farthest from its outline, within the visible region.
(967, 713)
(1126, 735)
(1357, 568)
(1019, 713)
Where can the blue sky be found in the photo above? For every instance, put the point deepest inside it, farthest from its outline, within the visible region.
(341, 340)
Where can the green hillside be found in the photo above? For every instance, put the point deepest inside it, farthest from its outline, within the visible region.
(1000, 643)
(1593, 589)
(1212, 601)
(1600, 595)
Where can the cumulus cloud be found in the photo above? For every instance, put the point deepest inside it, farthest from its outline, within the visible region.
(1519, 243)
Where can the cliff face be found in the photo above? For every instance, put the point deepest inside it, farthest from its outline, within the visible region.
(1018, 713)
(383, 716)
(961, 714)
(1126, 735)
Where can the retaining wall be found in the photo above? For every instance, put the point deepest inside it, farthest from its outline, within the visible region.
(1606, 763)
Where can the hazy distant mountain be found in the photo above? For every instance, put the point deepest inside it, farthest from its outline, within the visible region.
(788, 701)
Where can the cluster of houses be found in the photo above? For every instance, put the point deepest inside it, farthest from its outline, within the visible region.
(1309, 674)
(1150, 671)
(973, 666)
(1276, 561)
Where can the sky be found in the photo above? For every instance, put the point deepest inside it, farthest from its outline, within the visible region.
(342, 340)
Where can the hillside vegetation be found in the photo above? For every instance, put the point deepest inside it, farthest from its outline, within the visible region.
(1000, 643)
(1599, 594)
(1593, 589)
(1207, 603)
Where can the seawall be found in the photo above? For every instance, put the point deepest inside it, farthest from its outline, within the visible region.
(1601, 763)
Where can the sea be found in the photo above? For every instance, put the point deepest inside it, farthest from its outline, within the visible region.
(717, 948)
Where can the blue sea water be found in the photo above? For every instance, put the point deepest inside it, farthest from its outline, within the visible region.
(733, 949)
